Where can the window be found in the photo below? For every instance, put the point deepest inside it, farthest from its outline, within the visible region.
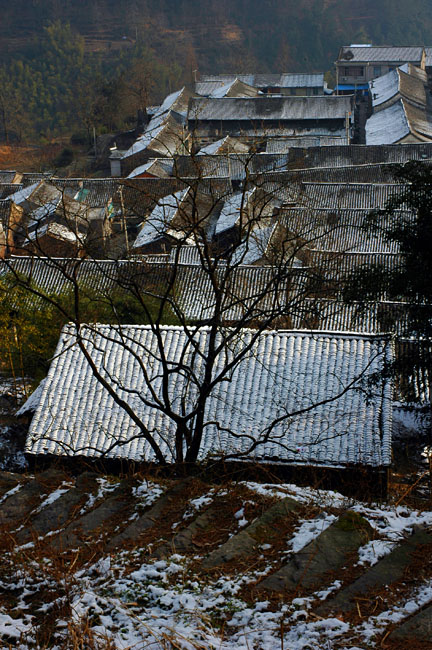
(377, 71)
(353, 71)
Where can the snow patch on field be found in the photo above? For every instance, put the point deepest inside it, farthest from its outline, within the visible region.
(142, 602)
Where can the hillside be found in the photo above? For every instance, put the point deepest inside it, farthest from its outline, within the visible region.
(104, 564)
(68, 67)
(274, 35)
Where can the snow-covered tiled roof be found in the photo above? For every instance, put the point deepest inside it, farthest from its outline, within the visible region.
(170, 102)
(163, 134)
(284, 80)
(387, 126)
(283, 145)
(362, 54)
(283, 373)
(213, 147)
(400, 82)
(270, 108)
(396, 122)
(254, 248)
(21, 195)
(160, 219)
(231, 210)
(56, 230)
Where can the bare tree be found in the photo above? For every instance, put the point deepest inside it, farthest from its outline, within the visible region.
(224, 267)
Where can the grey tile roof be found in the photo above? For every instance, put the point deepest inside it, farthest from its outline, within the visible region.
(358, 154)
(379, 53)
(339, 230)
(5, 206)
(252, 293)
(374, 173)
(7, 176)
(283, 145)
(94, 192)
(234, 165)
(398, 121)
(57, 275)
(339, 268)
(184, 255)
(366, 196)
(283, 80)
(140, 195)
(337, 316)
(283, 373)
(6, 189)
(399, 83)
(270, 108)
(414, 386)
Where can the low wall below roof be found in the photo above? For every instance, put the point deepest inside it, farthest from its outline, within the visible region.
(354, 481)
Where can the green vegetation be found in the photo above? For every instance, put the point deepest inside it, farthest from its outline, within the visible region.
(57, 88)
(30, 326)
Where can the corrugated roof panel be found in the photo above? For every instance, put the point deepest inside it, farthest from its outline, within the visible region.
(285, 372)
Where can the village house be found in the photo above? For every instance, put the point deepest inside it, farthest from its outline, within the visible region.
(284, 372)
(176, 217)
(11, 216)
(210, 119)
(287, 83)
(401, 108)
(357, 65)
(163, 136)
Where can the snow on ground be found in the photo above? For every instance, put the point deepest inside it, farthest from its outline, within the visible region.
(104, 486)
(308, 530)
(140, 603)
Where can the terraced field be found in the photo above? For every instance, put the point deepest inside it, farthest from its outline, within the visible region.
(100, 562)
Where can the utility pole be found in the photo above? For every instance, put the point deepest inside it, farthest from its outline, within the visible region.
(123, 217)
